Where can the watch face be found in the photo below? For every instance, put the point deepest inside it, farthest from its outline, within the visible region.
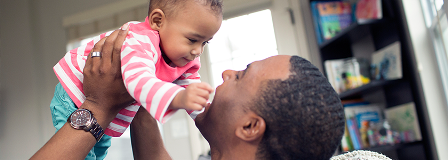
(80, 118)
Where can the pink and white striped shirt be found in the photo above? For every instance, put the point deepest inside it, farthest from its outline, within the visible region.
(147, 77)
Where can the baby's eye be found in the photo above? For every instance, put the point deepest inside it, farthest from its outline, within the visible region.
(192, 40)
(204, 43)
(237, 75)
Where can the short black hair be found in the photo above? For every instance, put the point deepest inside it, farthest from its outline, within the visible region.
(303, 114)
(170, 6)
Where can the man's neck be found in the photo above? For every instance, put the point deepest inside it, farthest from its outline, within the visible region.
(240, 151)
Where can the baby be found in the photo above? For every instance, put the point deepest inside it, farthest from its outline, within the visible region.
(159, 65)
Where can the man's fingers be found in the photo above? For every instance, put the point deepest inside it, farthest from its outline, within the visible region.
(121, 37)
(92, 62)
(106, 52)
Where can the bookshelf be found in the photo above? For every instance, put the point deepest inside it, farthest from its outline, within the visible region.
(352, 32)
(360, 41)
(367, 88)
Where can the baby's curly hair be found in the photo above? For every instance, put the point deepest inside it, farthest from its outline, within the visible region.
(169, 7)
(303, 114)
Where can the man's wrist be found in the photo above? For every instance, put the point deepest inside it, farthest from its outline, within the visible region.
(102, 116)
(83, 119)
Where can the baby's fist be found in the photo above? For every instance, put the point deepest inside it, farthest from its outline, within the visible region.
(194, 97)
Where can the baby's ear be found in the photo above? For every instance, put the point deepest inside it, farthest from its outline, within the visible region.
(156, 19)
(252, 127)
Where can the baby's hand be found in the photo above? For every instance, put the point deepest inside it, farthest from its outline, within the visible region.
(194, 97)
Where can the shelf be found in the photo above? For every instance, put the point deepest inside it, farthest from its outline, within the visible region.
(373, 85)
(389, 147)
(355, 30)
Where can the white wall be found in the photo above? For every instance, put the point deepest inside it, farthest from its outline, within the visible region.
(32, 40)
(18, 103)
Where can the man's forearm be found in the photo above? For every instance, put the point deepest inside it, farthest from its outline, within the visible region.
(145, 137)
(61, 147)
(70, 143)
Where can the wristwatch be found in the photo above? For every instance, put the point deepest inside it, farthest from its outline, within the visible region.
(83, 119)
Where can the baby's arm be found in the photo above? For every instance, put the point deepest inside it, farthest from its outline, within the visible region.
(191, 76)
(138, 59)
(194, 97)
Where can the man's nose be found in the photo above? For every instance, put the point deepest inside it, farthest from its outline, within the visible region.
(227, 74)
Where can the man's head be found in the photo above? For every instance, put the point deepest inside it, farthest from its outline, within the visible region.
(184, 26)
(282, 106)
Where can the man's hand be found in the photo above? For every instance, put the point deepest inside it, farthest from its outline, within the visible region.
(103, 84)
(194, 97)
(106, 95)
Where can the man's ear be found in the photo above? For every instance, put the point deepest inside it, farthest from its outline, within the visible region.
(156, 19)
(252, 128)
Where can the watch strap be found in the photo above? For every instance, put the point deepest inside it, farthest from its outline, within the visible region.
(96, 130)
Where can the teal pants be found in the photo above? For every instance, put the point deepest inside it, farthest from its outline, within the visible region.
(61, 107)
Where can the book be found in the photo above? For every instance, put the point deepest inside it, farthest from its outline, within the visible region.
(364, 111)
(346, 142)
(333, 17)
(333, 76)
(357, 114)
(368, 10)
(354, 133)
(316, 21)
(347, 73)
(386, 63)
(403, 118)
(330, 18)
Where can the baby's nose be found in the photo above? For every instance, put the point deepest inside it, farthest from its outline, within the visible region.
(197, 51)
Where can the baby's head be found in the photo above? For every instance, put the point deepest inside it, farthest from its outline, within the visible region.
(184, 26)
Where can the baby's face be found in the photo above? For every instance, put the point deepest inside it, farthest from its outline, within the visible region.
(184, 35)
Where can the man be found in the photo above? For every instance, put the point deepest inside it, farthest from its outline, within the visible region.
(278, 108)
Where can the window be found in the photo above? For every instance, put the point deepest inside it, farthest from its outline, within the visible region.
(436, 21)
(240, 41)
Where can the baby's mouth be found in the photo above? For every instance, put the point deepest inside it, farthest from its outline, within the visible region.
(188, 60)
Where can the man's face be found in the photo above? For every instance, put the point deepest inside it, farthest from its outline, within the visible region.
(233, 97)
(185, 32)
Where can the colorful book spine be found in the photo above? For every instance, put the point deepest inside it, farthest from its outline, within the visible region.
(346, 142)
(354, 133)
(316, 22)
